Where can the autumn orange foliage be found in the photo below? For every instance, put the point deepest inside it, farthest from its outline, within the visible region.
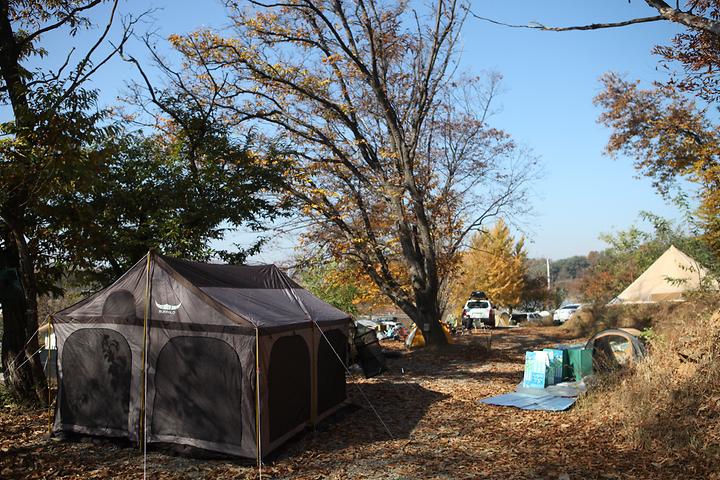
(395, 161)
(670, 137)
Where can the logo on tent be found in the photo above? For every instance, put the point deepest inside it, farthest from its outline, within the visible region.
(167, 308)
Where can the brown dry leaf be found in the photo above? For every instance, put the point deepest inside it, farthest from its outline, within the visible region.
(440, 429)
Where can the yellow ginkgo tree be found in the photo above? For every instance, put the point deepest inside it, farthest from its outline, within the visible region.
(494, 263)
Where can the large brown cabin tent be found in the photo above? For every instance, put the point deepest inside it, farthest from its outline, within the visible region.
(204, 325)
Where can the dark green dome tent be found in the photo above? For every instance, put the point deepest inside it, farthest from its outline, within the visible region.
(169, 353)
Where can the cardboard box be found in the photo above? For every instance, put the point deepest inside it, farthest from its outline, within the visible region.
(580, 360)
(557, 360)
(538, 373)
(567, 372)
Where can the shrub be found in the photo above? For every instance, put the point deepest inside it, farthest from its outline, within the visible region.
(670, 402)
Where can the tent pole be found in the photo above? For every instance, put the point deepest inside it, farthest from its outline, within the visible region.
(143, 386)
(258, 440)
(47, 377)
(314, 379)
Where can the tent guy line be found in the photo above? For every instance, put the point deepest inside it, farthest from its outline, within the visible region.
(22, 350)
(31, 356)
(347, 370)
(372, 407)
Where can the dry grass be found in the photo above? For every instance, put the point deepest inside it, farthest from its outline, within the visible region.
(665, 316)
(670, 403)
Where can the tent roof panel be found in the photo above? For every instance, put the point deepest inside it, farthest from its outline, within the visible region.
(230, 276)
(262, 296)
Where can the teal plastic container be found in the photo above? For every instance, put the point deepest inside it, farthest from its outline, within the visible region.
(580, 360)
(583, 361)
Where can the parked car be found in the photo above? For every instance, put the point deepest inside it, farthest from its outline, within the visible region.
(481, 311)
(367, 323)
(392, 329)
(521, 317)
(563, 313)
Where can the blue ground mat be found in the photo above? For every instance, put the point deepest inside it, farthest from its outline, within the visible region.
(554, 398)
(531, 402)
(564, 389)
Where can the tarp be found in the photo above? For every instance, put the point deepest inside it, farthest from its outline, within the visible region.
(367, 324)
(657, 282)
(525, 401)
(415, 338)
(554, 398)
(563, 389)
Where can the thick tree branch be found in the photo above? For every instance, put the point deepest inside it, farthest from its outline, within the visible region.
(592, 26)
(71, 16)
(667, 13)
(688, 19)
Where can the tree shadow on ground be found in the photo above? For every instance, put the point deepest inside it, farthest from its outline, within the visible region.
(373, 409)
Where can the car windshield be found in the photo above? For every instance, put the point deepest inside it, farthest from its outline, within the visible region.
(477, 305)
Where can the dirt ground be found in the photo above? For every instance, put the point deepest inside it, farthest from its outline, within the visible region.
(429, 401)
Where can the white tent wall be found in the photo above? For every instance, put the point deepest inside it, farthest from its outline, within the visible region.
(668, 278)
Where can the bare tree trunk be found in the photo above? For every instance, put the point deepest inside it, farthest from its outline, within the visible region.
(19, 381)
(14, 216)
(24, 373)
(29, 283)
(428, 318)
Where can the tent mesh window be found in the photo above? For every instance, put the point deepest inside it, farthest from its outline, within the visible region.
(330, 369)
(198, 391)
(95, 383)
(288, 385)
(120, 303)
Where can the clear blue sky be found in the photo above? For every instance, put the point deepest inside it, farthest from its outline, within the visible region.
(549, 81)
